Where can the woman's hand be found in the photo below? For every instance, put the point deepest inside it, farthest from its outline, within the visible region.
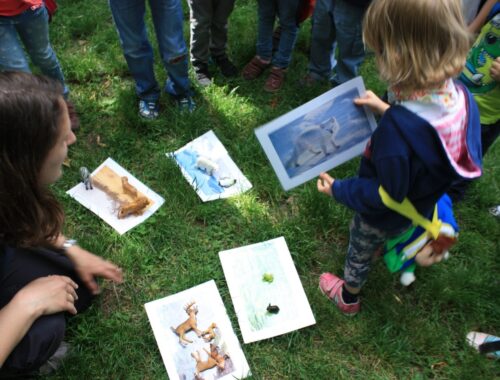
(373, 102)
(88, 266)
(48, 295)
(43, 296)
(325, 183)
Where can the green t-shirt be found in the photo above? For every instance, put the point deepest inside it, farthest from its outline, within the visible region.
(476, 75)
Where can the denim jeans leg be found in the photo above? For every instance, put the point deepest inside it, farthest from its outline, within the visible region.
(218, 30)
(33, 29)
(287, 13)
(200, 14)
(322, 40)
(348, 24)
(12, 57)
(267, 12)
(128, 16)
(168, 22)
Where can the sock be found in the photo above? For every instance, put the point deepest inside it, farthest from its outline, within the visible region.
(348, 297)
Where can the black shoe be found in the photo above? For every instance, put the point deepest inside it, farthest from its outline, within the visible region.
(227, 68)
(203, 76)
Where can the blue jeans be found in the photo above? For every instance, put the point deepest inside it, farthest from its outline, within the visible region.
(336, 20)
(167, 19)
(286, 11)
(31, 29)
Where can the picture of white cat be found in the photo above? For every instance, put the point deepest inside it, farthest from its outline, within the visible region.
(207, 166)
(317, 136)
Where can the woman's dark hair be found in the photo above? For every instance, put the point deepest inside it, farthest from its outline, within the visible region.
(31, 108)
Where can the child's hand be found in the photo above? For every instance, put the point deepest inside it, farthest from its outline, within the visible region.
(325, 183)
(373, 102)
(495, 70)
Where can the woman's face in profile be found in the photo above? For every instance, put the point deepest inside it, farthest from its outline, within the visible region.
(52, 167)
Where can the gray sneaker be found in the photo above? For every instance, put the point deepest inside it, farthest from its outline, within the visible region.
(55, 360)
(203, 77)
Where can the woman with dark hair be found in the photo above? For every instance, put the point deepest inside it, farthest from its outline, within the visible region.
(43, 275)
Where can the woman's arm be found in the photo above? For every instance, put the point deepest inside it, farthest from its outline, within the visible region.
(43, 296)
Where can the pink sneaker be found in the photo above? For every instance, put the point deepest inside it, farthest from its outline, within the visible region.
(331, 286)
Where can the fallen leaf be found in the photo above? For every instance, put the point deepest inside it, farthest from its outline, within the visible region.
(99, 143)
(274, 102)
(67, 162)
(438, 365)
(398, 299)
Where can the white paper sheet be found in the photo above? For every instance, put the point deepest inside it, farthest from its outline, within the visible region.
(102, 205)
(244, 269)
(210, 186)
(166, 314)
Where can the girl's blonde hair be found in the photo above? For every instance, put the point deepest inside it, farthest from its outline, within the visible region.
(418, 43)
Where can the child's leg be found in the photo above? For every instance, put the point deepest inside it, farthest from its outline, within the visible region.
(322, 39)
(201, 13)
(129, 20)
(168, 20)
(33, 29)
(267, 12)
(218, 31)
(287, 11)
(348, 25)
(364, 241)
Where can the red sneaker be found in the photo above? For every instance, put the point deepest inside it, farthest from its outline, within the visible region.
(331, 286)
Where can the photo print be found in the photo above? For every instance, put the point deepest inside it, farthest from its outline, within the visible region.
(319, 135)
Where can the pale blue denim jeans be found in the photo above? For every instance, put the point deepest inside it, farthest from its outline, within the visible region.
(336, 20)
(31, 29)
(168, 22)
(286, 12)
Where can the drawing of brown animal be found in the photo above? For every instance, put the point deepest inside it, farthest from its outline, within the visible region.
(136, 207)
(128, 188)
(209, 333)
(214, 354)
(203, 365)
(188, 325)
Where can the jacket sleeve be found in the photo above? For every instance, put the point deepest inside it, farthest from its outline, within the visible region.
(361, 194)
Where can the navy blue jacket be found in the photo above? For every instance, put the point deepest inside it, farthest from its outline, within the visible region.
(406, 157)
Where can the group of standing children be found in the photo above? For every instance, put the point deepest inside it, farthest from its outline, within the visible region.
(335, 24)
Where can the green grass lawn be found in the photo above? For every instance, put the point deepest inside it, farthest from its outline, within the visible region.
(415, 333)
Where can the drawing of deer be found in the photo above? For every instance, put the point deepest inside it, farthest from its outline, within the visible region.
(209, 333)
(214, 354)
(188, 325)
(214, 359)
(203, 365)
